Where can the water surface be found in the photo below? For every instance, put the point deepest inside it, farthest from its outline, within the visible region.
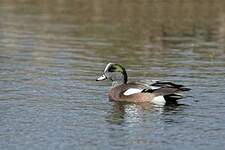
(52, 51)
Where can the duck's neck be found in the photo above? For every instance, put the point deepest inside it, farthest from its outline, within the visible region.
(125, 77)
(122, 80)
(116, 83)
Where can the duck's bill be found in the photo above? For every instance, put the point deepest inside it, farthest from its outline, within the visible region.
(102, 77)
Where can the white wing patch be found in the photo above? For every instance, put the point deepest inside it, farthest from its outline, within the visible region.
(132, 91)
(154, 87)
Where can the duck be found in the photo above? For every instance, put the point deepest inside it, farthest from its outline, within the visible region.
(153, 91)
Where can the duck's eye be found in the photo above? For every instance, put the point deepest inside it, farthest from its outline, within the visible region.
(112, 69)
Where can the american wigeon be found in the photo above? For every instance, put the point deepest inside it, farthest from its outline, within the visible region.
(158, 92)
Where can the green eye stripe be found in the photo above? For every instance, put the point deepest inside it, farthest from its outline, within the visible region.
(117, 68)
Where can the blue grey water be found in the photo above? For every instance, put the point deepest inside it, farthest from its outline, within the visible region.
(52, 51)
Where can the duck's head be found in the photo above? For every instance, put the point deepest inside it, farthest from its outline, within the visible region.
(114, 72)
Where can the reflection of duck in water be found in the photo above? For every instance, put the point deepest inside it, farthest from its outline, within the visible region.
(124, 112)
(158, 92)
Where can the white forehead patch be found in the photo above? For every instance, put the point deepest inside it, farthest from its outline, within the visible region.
(107, 66)
(132, 91)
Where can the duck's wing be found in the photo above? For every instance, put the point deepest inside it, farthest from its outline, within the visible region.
(155, 86)
(168, 84)
(169, 90)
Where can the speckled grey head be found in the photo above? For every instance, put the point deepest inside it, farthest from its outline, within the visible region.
(114, 72)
